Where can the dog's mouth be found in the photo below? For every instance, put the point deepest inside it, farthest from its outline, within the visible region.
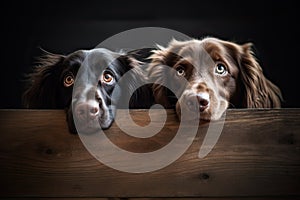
(91, 117)
(199, 106)
(106, 117)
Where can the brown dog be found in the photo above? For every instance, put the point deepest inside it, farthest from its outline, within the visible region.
(219, 74)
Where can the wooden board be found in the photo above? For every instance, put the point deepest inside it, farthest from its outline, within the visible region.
(257, 155)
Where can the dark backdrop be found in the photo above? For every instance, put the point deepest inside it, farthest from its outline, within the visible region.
(63, 27)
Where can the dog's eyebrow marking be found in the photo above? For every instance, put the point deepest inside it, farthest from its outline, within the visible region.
(182, 60)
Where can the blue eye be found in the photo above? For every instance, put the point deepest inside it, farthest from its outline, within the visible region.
(220, 69)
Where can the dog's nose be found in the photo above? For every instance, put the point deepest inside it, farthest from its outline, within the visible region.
(86, 111)
(203, 102)
(203, 99)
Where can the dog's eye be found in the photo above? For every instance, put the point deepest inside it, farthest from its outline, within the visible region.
(107, 77)
(68, 80)
(220, 69)
(180, 71)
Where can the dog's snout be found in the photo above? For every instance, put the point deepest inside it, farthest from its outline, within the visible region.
(199, 102)
(99, 100)
(86, 111)
(203, 99)
(93, 110)
(190, 104)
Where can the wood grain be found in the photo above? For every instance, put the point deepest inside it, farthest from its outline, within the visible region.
(257, 155)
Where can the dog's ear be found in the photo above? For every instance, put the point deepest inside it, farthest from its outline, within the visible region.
(258, 91)
(42, 82)
(136, 87)
(158, 73)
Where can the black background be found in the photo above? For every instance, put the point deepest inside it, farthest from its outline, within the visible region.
(63, 27)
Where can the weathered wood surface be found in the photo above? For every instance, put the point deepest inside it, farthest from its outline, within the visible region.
(257, 155)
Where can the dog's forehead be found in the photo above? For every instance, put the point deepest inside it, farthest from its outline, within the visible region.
(101, 54)
(197, 54)
(214, 48)
(72, 60)
(94, 63)
(99, 58)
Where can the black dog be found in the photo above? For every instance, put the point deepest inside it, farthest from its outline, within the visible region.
(52, 85)
(93, 99)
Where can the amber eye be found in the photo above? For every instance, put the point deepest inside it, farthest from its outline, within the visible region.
(180, 71)
(107, 78)
(220, 69)
(69, 80)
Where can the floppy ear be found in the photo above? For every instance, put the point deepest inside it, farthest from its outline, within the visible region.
(259, 92)
(136, 83)
(41, 90)
(157, 72)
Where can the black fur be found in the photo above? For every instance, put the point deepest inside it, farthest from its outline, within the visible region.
(46, 88)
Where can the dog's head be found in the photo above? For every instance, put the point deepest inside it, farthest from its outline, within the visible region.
(51, 83)
(219, 74)
(93, 101)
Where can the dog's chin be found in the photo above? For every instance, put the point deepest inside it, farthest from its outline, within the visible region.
(185, 115)
(103, 121)
(213, 113)
(219, 110)
(105, 124)
(88, 127)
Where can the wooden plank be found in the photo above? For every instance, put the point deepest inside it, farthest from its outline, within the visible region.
(257, 155)
(158, 198)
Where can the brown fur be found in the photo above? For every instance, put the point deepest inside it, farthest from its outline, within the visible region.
(245, 85)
